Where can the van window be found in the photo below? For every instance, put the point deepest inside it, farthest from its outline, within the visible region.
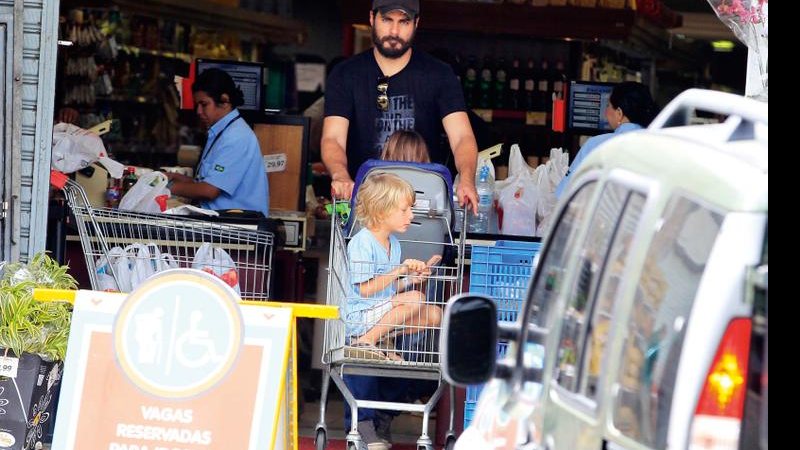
(665, 293)
(599, 327)
(551, 269)
(580, 298)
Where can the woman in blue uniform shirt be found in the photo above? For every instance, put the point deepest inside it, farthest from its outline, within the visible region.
(629, 108)
(230, 174)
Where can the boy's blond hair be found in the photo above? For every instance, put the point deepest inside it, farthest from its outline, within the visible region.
(379, 194)
(406, 145)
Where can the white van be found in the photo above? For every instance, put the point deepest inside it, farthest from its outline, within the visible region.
(649, 300)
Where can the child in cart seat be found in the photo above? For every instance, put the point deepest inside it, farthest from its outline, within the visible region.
(385, 297)
(406, 145)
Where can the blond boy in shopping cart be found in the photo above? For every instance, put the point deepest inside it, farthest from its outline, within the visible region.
(386, 300)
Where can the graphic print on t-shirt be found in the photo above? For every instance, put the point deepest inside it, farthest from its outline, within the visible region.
(400, 116)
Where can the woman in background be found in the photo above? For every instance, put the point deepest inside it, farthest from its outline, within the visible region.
(629, 108)
(230, 174)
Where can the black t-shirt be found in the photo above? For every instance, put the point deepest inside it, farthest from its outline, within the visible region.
(420, 96)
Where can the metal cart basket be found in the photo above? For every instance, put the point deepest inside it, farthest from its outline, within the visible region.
(410, 347)
(120, 247)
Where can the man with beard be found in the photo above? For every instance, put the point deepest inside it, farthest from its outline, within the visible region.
(367, 98)
(390, 87)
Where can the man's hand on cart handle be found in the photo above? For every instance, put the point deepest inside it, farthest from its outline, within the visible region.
(342, 187)
(467, 194)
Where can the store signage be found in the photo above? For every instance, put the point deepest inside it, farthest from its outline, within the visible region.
(176, 364)
(275, 162)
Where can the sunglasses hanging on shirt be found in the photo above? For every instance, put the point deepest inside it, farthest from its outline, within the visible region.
(383, 94)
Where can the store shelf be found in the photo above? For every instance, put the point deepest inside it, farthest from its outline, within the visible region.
(554, 22)
(139, 99)
(527, 118)
(136, 51)
(273, 28)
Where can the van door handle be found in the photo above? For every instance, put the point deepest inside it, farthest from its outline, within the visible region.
(611, 446)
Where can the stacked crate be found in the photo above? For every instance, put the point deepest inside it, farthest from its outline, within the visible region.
(503, 272)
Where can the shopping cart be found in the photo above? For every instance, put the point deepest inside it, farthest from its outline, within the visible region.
(122, 247)
(411, 349)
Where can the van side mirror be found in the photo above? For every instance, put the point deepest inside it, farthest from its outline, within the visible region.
(469, 339)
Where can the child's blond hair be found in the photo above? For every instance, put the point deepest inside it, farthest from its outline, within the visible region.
(379, 194)
(406, 145)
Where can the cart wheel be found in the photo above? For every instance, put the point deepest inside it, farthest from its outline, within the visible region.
(321, 440)
(450, 443)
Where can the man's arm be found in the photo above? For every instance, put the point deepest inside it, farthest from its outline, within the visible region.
(334, 142)
(465, 152)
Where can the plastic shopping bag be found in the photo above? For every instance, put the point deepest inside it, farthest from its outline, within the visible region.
(131, 266)
(116, 263)
(518, 202)
(547, 178)
(148, 195)
(147, 261)
(216, 261)
(518, 196)
(75, 148)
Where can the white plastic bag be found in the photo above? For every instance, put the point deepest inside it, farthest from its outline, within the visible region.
(548, 177)
(216, 261)
(75, 148)
(131, 265)
(116, 263)
(148, 195)
(147, 261)
(518, 203)
(518, 196)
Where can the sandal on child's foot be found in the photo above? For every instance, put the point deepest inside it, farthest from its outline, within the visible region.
(364, 350)
(392, 356)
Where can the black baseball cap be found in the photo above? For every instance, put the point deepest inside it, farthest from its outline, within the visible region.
(410, 7)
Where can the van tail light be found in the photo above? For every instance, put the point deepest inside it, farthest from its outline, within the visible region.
(718, 417)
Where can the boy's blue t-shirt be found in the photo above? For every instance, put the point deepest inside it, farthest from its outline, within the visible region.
(367, 258)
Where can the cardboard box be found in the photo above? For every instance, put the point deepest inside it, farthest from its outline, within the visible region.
(27, 405)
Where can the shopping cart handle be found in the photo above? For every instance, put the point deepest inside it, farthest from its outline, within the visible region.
(57, 179)
(343, 209)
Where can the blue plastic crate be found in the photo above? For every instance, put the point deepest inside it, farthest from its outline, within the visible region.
(503, 272)
(474, 392)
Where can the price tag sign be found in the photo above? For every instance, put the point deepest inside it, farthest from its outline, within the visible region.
(275, 163)
(8, 366)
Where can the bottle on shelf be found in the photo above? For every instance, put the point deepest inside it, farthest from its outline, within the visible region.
(479, 223)
(485, 84)
(501, 85)
(514, 86)
(529, 85)
(470, 82)
(545, 90)
(559, 80)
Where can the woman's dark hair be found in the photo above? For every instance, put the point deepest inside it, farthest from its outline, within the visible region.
(216, 82)
(635, 101)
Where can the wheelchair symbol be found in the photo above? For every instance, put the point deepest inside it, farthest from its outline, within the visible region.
(192, 339)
